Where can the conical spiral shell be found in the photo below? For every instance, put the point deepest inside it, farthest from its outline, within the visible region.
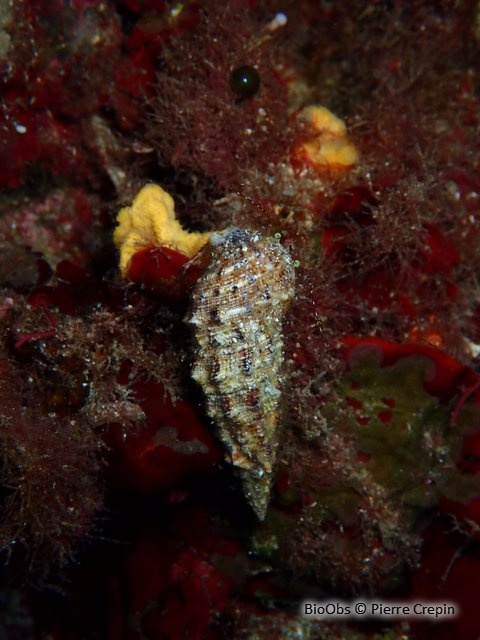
(237, 312)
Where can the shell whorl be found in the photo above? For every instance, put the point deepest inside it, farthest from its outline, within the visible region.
(237, 312)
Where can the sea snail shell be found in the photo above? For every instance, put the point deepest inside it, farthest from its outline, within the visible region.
(237, 311)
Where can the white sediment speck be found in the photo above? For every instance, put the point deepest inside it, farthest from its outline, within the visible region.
(280, 20)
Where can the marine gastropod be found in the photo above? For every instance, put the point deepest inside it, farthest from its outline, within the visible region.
(238, 307)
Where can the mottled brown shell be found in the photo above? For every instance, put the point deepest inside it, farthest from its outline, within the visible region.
(237, 312)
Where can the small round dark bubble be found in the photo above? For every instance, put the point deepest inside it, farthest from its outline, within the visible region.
(245, 81)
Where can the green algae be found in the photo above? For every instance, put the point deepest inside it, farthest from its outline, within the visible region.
(402, 432)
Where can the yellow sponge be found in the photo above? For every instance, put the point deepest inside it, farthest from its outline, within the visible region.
(329, 145)
(150, 221)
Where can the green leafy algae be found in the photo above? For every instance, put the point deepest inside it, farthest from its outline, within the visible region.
(402, 432)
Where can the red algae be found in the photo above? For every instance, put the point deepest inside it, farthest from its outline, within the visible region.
(172, 444)
(164, 270)
(447, 572)
(212, 131)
